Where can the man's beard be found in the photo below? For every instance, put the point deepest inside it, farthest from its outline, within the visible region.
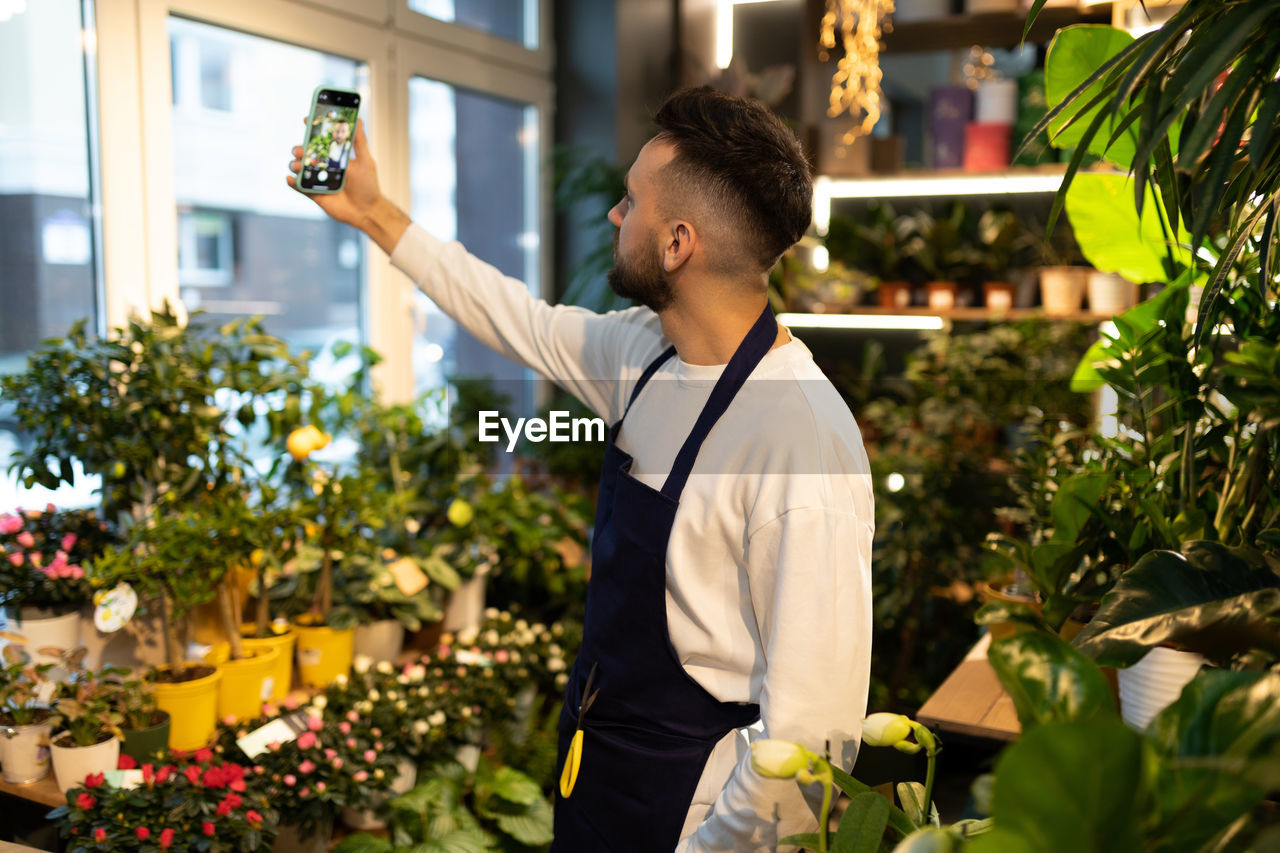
(642, 280)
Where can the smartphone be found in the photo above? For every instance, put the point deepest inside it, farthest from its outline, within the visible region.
(331, 130)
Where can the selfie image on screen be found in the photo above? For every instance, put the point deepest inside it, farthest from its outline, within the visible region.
(329, 142)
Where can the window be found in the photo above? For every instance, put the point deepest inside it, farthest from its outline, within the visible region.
(49, 230)
(247, 244)
(514, 20)
(205, 250)
(486, 198)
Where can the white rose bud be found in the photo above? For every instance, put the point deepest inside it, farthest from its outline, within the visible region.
(384, 667)
(421, 726)
(437, 718)
(320, 702)
(362, 663)
(885, 729)
(778, 759)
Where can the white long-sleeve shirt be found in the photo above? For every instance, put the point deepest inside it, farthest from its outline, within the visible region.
(768, 565)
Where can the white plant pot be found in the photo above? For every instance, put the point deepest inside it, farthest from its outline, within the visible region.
(364, 819)
(40, 631)
(1111, 294)
(1062, 290)
(71, 764)
(1153, 683)
(466, 606)
(381, 640)
(977, 7)
(24, 752)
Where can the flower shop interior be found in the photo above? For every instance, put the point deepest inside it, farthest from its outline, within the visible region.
(1041, 272)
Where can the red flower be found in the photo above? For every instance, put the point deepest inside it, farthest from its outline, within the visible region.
(208, 828)
(143, 833)
(204, 755)
(148, 773)
(126, 762)
(192, 773)
(162, 775)
(254, 819)
(237, 785)
(215, 777)
(234, 800)
(94, 780)
(99, 835)
(85, 801)
(166, 837)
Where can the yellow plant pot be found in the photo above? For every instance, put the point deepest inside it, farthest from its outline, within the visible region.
(193, 710)
(323, 654)
(282, 674)
(246, 683)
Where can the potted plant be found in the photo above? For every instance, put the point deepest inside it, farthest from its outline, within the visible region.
(89, 707)
(941, 248)
(42, 573)
(145, 728)
(875, 246)
(1060, 269)
(1000, 240)
(198, 802)
(26, 715)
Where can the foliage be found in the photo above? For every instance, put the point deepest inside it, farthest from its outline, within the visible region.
(1079, 779)
(42, 556)
(195, 803)
(491, 808)
(942, 247)
(1222, 603)
(936, 441)
(144, 408)
(1191, 109)
(456, 695)
(23, 688)
(878, 244)
(586, 188)
(135, 701)
(90, 701)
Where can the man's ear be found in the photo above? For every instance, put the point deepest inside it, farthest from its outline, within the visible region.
(681, 242)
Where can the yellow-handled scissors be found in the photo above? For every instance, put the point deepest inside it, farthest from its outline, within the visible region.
(572, 761)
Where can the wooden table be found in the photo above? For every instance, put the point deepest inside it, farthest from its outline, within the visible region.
(45, 792)
(971, 701)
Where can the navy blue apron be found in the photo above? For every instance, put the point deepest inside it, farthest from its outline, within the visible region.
(648, 728)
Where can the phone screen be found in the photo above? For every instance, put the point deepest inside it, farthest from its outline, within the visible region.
(330, 132)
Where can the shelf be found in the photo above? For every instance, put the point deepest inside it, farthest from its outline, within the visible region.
(990, 29)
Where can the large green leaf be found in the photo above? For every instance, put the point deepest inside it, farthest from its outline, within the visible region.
(1112, 235)
(1209, 599)
(1221, 712)
(533, 827)
(1049, 681)
(862, 825)
(1070, 787)
(1074, 54)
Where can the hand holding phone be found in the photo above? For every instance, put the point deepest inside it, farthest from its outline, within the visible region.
(326, 149)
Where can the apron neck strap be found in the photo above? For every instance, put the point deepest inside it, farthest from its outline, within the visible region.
(754, 347)
(644, 380)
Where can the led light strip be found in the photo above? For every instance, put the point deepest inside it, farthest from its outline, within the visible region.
(905, 322)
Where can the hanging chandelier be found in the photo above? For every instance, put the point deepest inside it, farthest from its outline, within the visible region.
(855, 85)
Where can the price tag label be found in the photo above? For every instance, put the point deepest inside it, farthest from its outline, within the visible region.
(114, 607)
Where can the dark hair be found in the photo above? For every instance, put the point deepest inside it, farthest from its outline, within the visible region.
(749, 164)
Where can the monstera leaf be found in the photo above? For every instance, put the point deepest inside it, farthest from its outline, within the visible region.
(1209, 599)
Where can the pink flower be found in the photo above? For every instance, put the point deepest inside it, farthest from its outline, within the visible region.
(315, 723)
(68, 542)
(320, 786)
(360, 776)
(291, 702)
(75, 572)
(274, 746)
(351, 743)
(330, 754)
(502, 655)
(337, 764)
(306, 740)
(229, 720)
(37, 559)
(26, 540)
(10, 524)
(15, 559)
(370, 756)
(304, 792)
(344, 727)
(353, 716)
(290, 779)
(306, 766)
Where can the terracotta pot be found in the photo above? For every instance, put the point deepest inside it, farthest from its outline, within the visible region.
(998, 296)
(988, 592)
(941, 295)
(894, 294)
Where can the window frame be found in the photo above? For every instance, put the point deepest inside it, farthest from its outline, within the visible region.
(139, 209)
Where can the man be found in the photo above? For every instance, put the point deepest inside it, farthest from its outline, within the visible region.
(730, 589)
(340, 147)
